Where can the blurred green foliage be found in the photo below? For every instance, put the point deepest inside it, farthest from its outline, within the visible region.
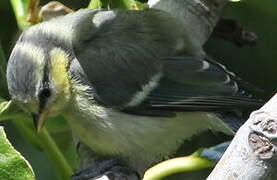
(3, 87)
(121, 4)
(254, 64)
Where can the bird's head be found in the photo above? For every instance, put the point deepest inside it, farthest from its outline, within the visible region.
(38, 78)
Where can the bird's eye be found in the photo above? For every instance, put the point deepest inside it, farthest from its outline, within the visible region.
(45, 93)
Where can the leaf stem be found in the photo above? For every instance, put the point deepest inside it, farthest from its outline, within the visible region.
(60, 164)
(20, 8)
(176, 165)
(25, 129)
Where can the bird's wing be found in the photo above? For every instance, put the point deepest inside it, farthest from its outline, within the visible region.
(195, 84)
(127, 70)
(120, 58)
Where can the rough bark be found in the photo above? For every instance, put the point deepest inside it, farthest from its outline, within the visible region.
(252, 153)
(199, 18)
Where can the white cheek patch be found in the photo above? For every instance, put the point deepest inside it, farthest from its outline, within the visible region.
(146, 89)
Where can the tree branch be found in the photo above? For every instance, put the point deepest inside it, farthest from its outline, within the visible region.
(230, 30)
(252, 153)
(199, 18)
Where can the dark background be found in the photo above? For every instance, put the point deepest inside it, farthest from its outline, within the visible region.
(258, 64)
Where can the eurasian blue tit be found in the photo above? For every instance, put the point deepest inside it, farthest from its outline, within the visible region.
(129, 83)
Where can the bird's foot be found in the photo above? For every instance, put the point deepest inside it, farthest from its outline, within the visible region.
(216, 152)
(107, 170)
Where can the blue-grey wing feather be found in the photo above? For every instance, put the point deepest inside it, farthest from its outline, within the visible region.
(122, 52)
(196, 84)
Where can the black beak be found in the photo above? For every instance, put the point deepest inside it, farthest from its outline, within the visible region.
(35, 117)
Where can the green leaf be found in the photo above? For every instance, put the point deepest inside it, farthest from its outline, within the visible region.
(98, 4)
(118, 4)
(43, 140)
(13, 166)
(122, 4)
(126, 4)
(9, 110)
(4, 106)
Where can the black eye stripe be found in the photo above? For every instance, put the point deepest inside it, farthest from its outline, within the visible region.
(43, 96)
(45, 93)
(45, 90)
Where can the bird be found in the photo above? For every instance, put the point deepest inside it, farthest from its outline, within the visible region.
(129, 83)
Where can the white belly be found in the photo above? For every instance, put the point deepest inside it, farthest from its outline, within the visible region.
(139, 139)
